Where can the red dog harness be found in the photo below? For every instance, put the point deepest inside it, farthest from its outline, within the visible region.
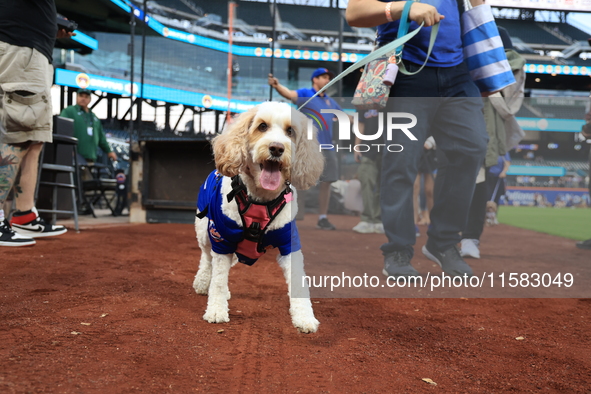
(255, 216)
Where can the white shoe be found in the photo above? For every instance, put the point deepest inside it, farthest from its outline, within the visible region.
(378, 228)
(10, 238)
(470, 248)
(364, 228)
(33, 226)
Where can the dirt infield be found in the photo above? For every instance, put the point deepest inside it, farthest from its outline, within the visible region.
(112, 310)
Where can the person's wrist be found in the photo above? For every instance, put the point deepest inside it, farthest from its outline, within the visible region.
(388, 11)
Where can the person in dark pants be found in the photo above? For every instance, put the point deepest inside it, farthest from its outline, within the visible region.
(491, 189)
(450, 108)
(497, 160)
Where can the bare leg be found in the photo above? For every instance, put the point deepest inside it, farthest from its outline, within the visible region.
(24, 187)
(11, 157)
(429, 187)
(415, 198)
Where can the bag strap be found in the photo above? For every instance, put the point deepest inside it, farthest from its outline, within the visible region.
(372, 56)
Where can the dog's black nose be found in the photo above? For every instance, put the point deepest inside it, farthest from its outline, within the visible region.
(276, 149)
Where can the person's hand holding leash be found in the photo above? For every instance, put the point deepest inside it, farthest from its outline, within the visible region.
(420, 13)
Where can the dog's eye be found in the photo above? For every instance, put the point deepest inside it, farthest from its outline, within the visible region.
(263, 127)
(290, 131)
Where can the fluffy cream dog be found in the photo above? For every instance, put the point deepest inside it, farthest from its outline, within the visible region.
(261, 159)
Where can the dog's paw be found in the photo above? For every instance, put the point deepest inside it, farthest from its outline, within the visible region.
(216, 316)
(307, 325)
(201, 285)
(200, 288)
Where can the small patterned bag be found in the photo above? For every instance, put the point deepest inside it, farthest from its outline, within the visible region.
(371, 92)
(373, 89)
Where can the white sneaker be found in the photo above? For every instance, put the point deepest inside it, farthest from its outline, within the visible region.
(378, 228)
(9, 238)
(470, 248)
(33, 226)
(364, 228)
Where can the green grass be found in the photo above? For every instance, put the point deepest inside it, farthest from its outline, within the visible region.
(573, 223)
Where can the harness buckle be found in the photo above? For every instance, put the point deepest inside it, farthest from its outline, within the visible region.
(253, 232)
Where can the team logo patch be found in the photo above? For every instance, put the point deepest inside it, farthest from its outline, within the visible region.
(213, 232)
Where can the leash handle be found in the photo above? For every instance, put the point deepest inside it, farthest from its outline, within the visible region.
(434, 31)
(403, 26)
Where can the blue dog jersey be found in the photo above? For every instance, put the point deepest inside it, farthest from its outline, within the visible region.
(225, 234)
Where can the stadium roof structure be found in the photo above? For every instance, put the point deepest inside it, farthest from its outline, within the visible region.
(308, 27)
(296, 25)
(302, 26)
(204, 23)
(98, 15)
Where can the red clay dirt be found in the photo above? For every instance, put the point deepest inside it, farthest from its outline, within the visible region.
(112, 310)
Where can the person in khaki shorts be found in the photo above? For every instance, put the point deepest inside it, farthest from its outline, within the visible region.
(28, 29)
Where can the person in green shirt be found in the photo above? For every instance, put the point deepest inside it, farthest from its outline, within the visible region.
(87, 128)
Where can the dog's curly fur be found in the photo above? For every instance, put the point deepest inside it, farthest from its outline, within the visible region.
(241, 150)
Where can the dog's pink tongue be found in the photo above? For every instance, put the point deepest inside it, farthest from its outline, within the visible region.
(270, 176)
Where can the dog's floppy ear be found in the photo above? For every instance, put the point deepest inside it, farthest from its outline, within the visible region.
(230, 147)
(308, 161)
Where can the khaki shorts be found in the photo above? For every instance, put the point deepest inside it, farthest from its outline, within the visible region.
(26, 77)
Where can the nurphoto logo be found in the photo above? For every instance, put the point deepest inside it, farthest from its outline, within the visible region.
(389, 122)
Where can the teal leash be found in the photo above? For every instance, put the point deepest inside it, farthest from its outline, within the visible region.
(372, 56)
(394, 46)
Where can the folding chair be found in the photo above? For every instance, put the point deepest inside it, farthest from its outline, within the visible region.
(96, 186)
